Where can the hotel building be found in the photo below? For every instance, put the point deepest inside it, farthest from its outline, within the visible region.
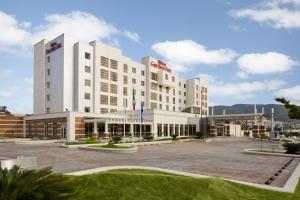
(82, 88)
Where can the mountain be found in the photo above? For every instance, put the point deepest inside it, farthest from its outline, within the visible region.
(281, 113)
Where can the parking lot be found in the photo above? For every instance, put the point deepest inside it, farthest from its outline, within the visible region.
(223, 157)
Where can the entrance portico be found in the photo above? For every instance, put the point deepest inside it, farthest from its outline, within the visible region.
(103, 127)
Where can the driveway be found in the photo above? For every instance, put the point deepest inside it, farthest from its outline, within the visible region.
(223, 157)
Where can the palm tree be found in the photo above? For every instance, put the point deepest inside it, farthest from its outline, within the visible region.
(17, 184)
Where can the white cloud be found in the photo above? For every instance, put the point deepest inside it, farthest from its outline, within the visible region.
(132, 36)
(5, 94)
(185, 53)
(208, 77)
(28, 80)
(244, 90)
(277, 13)
(275, 84)
(237, 28)
(242, 75)
(292, 92)
(20, 35)
(265, 63)
(5, 73)
(83, 26)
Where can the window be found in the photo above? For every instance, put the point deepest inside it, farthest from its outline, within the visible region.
(173, 78)
(125, 68)
(104, 74)
(179, 84)
(179, 101)
(104, 61)
(184, 85)
(160, 106)
(143, 73)
(87, 82)
(113, 88)
(153, 105)
(104, 87)
(197, 87)
(48, 97)
(104, 99)
(184, 94)
(113, 64)
(184, 101)
(173, 108)
(87, 69)
(113, 76)
(167, 90)
(125, 103)
(179, 92)
(87, 55)
(104, 110)
(48, 84)
(174, 100)
(48, 59)
(153, 96)
(87, 96)
(197, 102)
(160, 97)
(153, 76)
(154, 86)
(125, 80)
(125, 91)
(167, 99)
(142, 93)
(173, 91)
(160, 88)
(166, 76)
(48, 110)
(197, 95)
(133, 81)
(113, 110)
(48, 72)
(142, 83)
(87, 109)
(113, 101)
(167, 107)
(134, 70)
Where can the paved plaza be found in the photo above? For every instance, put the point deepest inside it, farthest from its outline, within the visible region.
(223, 157)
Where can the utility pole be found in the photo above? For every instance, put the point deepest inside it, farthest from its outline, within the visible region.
(272, 123)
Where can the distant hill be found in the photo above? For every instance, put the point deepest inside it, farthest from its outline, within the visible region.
(281, 113)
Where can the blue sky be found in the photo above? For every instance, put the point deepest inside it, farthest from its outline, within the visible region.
(249, 50)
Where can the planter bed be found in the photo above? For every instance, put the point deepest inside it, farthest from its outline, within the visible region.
(107, 149)
(270, 153)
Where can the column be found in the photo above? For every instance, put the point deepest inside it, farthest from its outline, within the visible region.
(95, 132)
(106, 133)
(70, 127)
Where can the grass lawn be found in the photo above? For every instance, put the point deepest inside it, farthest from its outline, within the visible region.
(152, 185)
(111, 146)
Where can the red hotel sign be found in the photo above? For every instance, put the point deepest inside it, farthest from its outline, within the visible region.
(160, 65)
(53, 47)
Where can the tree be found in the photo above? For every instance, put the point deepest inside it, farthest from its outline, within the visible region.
(294, 110)
(16, 184)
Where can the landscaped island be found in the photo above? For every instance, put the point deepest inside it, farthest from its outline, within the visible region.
(134, 184)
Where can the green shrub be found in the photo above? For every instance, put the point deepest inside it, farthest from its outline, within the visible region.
(174, 136)
(17, 184)
(291, 147)
(200, 135)
(116, 138)
(92, 139)
(148, 136)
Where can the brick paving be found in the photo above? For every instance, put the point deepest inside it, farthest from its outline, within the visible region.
(223, 157)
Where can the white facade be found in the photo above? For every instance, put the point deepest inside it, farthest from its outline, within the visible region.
(97, 78)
